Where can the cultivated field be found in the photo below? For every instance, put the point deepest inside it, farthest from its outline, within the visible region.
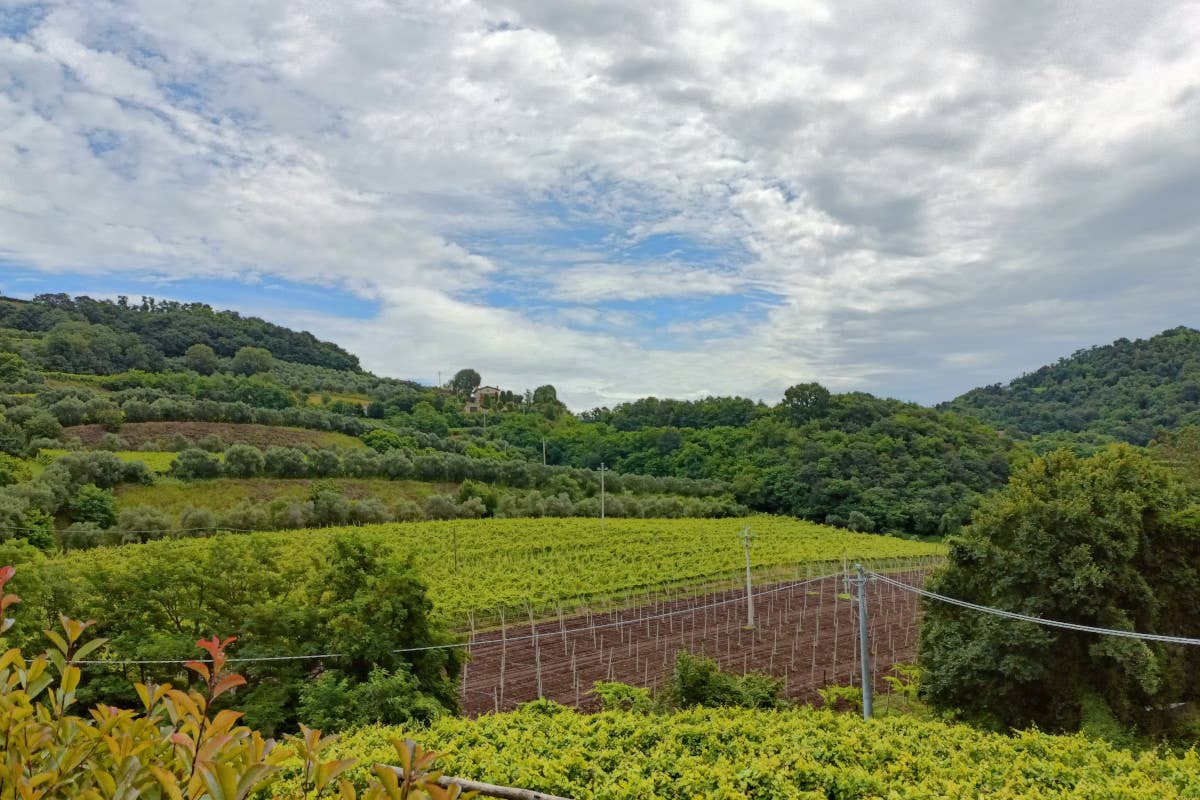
(806, 633)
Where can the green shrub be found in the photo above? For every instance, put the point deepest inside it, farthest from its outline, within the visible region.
(144, 523)
(94, 505)
(615, 696)
(197, 521)
(243, 461)
(195, 463)
(699, 681)
(12, 470)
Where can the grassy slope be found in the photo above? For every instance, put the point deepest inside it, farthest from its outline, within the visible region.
(219, 494)
(139, 434)
(775, 755)
(154, 460)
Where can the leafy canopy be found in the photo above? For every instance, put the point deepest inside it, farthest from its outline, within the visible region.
(1108, 541)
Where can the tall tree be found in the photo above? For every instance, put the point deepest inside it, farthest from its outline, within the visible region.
(1108, 541)
(804, 402)
(464, 382)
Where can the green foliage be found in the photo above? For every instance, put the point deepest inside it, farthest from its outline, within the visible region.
(13, 368)
(91, 504)
(903, 468)
(1106, 541)
(616, 696)
(42, 425)
(242, 461)
(798, 754)
(464, 382)
(251, 361)
(842, 697)
(178, 744)
(12, 470)
(138, 335)
(699, 681)
(341, 594)
(805, 402)
(201, 358)
(195, 463)
(1128, 390)
(507, 563)
(142, 524)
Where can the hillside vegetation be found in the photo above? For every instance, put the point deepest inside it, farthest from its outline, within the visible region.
(1126, 391)
(87, 374)
(80, 334)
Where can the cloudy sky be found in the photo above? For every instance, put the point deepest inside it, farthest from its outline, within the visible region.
(622, 199)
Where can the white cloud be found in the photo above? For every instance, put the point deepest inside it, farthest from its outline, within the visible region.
(916, 183)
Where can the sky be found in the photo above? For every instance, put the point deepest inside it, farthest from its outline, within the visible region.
(620, 198)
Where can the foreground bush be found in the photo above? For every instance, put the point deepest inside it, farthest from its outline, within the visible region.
(179, 744)
(798, 754)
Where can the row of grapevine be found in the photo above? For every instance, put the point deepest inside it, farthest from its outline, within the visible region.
(475, 568)
(802, 754)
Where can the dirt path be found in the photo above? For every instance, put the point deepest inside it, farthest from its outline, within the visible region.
(806, 634)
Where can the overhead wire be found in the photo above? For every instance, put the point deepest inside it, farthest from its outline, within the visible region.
(1050, 623)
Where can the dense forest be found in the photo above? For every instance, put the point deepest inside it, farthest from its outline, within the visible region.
(1126, 391)
(101, 336)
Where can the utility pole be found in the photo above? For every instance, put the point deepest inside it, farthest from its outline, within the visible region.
(864, 644)
(603, 470)
(543, 451)
(746, 536)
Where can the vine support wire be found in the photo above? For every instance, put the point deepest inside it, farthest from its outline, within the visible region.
(1050, 623)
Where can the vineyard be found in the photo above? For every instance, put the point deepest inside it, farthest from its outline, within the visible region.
(797, 754)
(475, 569)
(805, 634)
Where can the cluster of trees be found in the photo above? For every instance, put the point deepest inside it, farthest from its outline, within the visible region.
(359, 600)
(849, 459)
(150, 331)
(1126, 391)
(28, 508)
(1110, 541)
(96, 521)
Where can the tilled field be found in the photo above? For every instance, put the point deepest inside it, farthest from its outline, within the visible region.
(806, 632)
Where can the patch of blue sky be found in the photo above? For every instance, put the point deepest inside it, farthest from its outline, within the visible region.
(102, 140)
(18, 20)
(23, 282)
(681, 249)
(660, 312)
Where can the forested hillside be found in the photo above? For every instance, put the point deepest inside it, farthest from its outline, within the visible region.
(241, 400)
(1126, 391)
(80, 334)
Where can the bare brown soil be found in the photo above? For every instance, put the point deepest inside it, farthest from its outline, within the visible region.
(140, 435)
(805, 634)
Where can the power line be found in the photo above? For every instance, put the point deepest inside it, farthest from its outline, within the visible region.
(468, 644)
(1051, 623)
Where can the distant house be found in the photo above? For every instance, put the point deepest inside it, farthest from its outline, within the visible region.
(484, 395)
